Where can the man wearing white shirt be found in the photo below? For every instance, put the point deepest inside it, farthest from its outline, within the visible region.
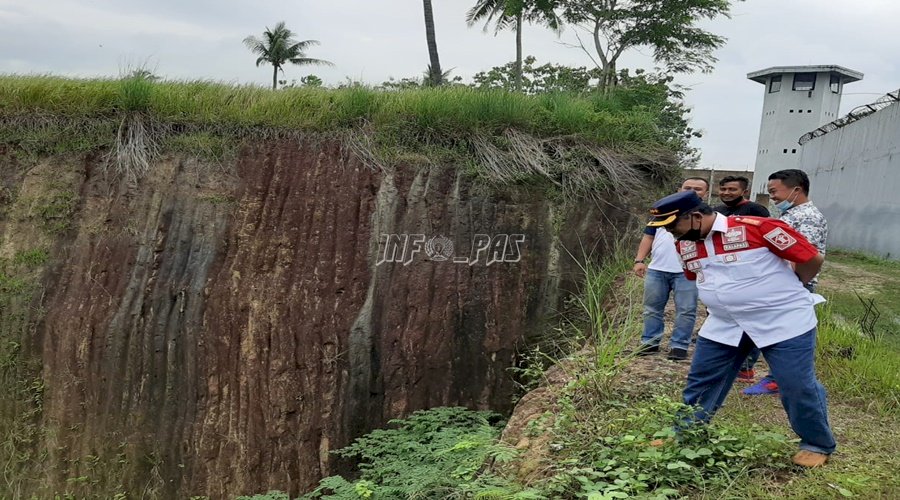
(756, 298)
(662, 277)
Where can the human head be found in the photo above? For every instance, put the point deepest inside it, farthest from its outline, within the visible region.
(680, 213)
(789, 185)
(732, 189)
(699, 220)
(698, 185)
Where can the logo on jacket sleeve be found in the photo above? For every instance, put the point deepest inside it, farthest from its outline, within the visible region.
(735, 238)
(780, 238)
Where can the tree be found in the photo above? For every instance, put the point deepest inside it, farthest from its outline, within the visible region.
(513, 14)
(667, 26)
(278, 47)
(436, 75)
(655, 94)
(429, 81)
(546, 78)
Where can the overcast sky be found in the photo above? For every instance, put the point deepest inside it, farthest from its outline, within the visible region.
(372, 40)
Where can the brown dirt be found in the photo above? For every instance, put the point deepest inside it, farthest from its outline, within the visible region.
(231, 329)
(846, 278)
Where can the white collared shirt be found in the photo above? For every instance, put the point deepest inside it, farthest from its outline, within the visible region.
(746, 283)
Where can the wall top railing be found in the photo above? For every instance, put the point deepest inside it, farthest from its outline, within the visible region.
(854, 115)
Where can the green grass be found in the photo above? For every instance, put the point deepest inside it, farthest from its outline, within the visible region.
(848, 274)
(858, 368)
(570, 143)
(862, 368)
(432, 112)
(860, 372)
(21, 388)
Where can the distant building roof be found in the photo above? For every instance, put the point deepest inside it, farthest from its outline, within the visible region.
(848, 74)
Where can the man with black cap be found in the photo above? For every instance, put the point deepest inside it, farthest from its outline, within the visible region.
(754, 298)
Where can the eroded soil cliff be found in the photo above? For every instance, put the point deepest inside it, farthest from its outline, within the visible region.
(221, 328)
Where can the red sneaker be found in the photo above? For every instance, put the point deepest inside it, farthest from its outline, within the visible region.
(746, 376)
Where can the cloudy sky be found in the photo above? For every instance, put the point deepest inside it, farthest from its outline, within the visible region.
(372, 40)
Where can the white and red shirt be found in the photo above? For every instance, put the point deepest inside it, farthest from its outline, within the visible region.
(746, 283)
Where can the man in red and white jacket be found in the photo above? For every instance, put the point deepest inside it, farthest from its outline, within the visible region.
(754, 298)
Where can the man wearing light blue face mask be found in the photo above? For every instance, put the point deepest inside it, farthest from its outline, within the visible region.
(789, 189)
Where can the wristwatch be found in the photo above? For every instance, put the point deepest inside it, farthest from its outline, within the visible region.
(640, 261)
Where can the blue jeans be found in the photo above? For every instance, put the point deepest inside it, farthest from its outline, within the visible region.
(715, 367)
(658, 285)
(753, 357)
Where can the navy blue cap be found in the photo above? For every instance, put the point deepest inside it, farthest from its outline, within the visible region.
(667, 209)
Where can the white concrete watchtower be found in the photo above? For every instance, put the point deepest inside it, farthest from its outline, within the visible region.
(798, 99)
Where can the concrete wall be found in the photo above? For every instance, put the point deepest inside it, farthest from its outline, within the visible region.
(855, 181)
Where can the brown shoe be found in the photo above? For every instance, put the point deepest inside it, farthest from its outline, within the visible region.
(806, 458)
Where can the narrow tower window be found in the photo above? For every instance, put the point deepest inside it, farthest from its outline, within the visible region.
(804, 81)
(775, 84)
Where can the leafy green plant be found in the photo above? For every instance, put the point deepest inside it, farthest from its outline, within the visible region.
(620, 462)
(271, 495)
(435, 453)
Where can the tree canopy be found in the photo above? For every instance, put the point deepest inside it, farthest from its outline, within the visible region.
(278, 47)
(669, 27)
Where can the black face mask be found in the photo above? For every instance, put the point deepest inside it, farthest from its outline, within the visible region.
(733, 203)
(692, 234)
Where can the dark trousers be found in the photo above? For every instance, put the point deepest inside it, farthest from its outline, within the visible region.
(715, 366)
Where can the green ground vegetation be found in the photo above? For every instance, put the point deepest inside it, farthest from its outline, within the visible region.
(21, 387)
(601, 422)
(606, 120)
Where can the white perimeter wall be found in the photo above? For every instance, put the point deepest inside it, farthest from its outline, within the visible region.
(854, 175)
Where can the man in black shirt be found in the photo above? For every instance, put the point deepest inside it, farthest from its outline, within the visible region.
(732, 189)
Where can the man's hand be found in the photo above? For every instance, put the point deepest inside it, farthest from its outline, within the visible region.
(640, 269)
(808, 270)
(646, 244)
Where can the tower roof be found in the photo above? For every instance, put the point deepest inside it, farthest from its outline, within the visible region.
(848, 75)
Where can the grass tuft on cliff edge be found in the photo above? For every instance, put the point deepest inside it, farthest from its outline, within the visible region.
(603, 120)
(576, 142)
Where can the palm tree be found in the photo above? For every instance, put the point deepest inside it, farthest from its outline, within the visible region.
(428, 77)
(514, 13)
(436, 77)
(279, 46)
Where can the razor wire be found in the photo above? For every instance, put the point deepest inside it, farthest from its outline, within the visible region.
(857, 113)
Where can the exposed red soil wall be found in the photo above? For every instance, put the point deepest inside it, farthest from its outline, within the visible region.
(230, 328)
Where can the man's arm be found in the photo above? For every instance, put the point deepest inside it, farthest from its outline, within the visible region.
(787, 243)
(806, 271)
(643, 251)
